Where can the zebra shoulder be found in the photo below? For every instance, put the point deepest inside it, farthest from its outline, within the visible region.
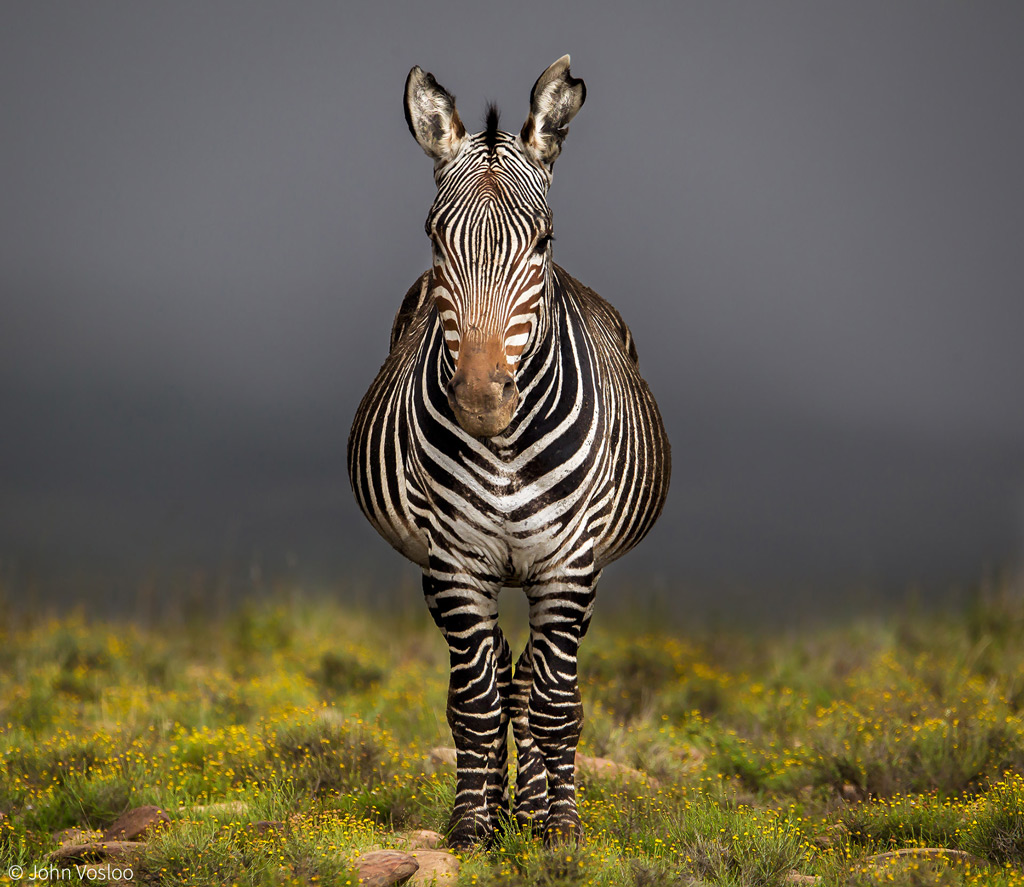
(415, 305)
(600, 312)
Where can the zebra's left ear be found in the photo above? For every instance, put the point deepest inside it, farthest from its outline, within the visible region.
(432, 118)
(554, 101)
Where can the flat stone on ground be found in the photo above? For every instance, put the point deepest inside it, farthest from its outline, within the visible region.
(96, 850)
(850, 792)
(442, 757)
(437, 868)
(77, 836)
(421, 839)
(383, 868)
(137, 823)
(609, 769)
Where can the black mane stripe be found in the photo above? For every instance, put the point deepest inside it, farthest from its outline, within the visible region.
(491, 133)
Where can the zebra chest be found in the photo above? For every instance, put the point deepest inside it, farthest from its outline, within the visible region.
(509, 514)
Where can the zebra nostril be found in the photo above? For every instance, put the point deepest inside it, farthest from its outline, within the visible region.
(508, 389)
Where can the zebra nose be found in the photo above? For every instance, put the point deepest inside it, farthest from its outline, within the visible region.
(483, 403)
(490, 393)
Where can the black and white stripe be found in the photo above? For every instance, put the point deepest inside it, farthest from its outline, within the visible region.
(576, 479)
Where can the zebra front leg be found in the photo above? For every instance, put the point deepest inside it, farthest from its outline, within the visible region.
(467, 617)
(531, 801)
(497, 769)
(559, 616)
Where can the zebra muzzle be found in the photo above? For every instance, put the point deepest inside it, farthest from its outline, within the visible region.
(483, 393)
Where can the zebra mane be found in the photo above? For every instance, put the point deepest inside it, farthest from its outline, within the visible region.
(491, 133)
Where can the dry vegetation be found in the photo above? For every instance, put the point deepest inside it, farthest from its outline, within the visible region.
(762, 756)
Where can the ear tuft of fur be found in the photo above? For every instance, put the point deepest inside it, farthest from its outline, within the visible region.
(555, 99)
(432, 117)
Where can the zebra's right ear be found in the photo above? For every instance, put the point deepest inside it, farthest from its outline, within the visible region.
(554, 101)
(432, 118)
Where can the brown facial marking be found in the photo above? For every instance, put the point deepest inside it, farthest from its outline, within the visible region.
(482, 392)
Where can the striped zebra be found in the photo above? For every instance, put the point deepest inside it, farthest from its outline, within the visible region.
(508, 440)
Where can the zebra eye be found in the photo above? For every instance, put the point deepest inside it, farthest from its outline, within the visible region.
(543, 243)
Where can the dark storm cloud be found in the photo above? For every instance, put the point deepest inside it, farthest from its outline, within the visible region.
(810, 215)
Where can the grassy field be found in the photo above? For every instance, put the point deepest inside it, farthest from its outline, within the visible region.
(761, 756)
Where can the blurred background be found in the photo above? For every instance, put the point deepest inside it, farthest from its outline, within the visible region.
(811, 216)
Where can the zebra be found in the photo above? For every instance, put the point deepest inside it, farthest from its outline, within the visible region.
(507, 440)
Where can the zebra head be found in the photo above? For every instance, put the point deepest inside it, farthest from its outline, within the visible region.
(490, 229)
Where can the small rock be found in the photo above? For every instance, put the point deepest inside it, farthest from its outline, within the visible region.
(222, 808)
(77, 836)
(435, 868)
(441, 756)
(850, 792)
(265, 826)
(382, 868)
(137, 823)
(797, 878)
(608, 769)
(421, 839)
(96, 850)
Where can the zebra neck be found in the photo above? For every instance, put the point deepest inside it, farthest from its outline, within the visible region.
(550, 323)
(553, 379)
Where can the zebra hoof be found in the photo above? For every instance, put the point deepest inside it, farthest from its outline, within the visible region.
(531, 821)
(561, 833)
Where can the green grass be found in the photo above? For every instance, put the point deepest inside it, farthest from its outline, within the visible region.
(813, 751)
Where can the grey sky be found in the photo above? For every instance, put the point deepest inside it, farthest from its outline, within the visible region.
(810, 214)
